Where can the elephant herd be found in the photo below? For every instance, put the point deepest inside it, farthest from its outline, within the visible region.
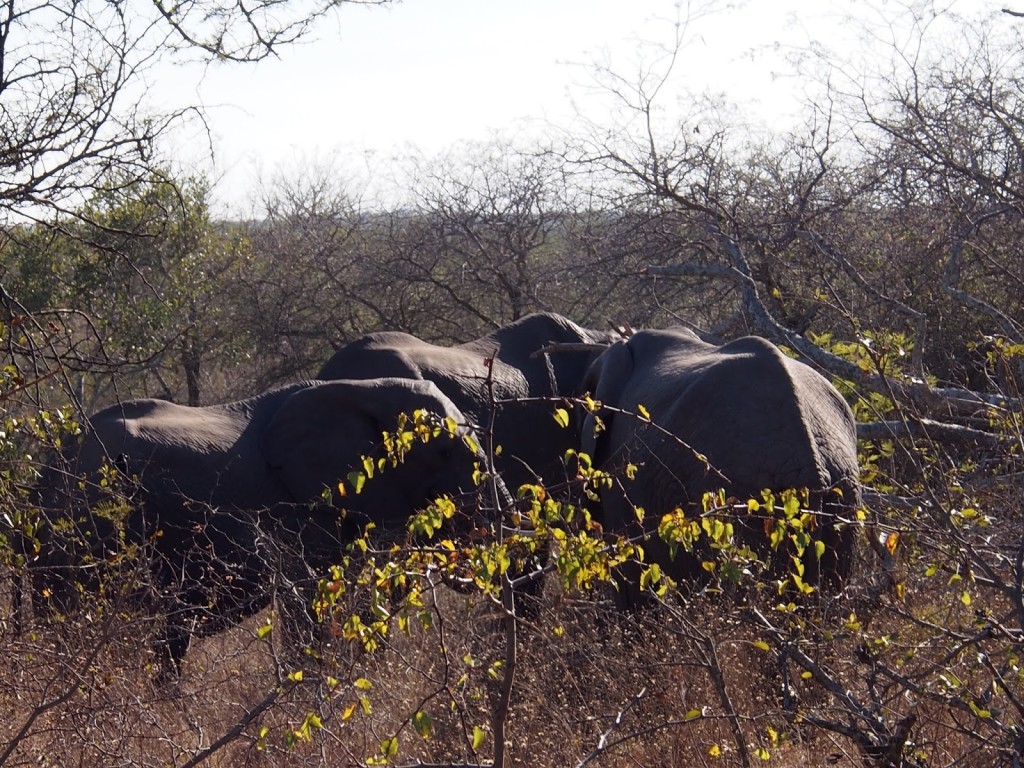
(240, 502)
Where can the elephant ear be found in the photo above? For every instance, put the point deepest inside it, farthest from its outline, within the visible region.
(317, 435)
(605, 380)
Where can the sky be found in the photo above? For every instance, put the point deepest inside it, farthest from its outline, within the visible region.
(434, 74)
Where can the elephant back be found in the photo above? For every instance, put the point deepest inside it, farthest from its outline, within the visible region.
(376, 355)
(742, 417)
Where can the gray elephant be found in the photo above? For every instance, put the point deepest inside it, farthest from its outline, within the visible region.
(761, 419)
(234, 498)
(506, 365)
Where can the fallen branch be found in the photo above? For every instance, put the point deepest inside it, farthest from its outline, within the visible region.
(940, 432)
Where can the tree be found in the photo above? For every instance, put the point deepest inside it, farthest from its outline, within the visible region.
(72, 85)
(150, 277)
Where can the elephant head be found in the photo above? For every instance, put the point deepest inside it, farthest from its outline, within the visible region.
(742, 417)
(558, 373)
(506, 368)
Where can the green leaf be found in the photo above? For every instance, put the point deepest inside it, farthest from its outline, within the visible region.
(984, 714)
(264, 630)
(819, 549)
(423, 724)
(356, 480)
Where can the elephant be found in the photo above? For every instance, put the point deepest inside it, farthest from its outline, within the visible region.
(506, 365)
(234, 498)
(760, 419)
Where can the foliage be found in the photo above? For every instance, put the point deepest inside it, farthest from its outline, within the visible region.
(881, 243)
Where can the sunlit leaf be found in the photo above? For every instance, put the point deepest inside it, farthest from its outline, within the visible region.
(984, 714)
(389, 747)
(478, 737)
(562, 417)
(891, 542)
(356, 480)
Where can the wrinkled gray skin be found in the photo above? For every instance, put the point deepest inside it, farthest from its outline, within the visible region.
(235, 493)
(533, 444)
(762, 420)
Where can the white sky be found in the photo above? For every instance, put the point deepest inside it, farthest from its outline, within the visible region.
(435, 73)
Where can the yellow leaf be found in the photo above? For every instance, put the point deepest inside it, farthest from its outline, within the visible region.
(762, 645)
(264, 631)
(389, 747)
(643, 412)
(562, 417)
(478, 737)
(363, 684)
(714, 751)
(891, 542)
